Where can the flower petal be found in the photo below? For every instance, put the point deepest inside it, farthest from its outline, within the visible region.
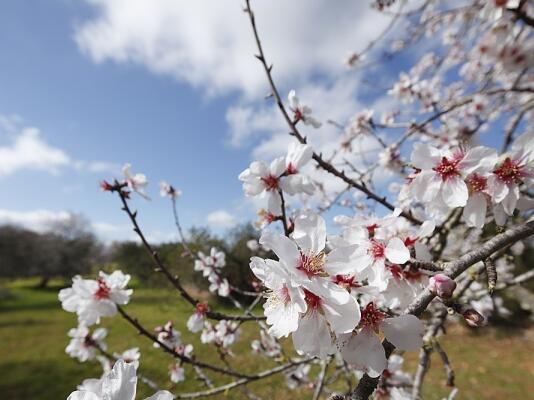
(454, 192)
(365, 351)
(405, 331)
(396, 251)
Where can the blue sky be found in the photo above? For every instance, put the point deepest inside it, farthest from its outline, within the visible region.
(171, 87)
(112, 113)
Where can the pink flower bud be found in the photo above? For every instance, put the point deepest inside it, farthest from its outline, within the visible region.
(473, 318)
(442, 286)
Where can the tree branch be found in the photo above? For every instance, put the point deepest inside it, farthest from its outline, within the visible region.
(453, 269)
(296, 133)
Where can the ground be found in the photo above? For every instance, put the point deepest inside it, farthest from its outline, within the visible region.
(489, 363)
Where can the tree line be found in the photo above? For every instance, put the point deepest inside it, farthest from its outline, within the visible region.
(69, 248)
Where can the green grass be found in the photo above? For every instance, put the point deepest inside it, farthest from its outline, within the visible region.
(489, 363)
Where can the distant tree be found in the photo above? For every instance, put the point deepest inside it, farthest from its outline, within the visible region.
(67, 249)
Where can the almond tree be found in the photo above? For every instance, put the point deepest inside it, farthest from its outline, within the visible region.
(439, 249)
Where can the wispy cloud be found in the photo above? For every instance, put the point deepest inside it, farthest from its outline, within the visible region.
(210, 45)
(29, 150)
(221, 219)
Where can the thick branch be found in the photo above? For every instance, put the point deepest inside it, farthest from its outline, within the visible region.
(367, 385)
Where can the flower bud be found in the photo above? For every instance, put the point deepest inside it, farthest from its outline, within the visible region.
(473, 318)
(442, 286)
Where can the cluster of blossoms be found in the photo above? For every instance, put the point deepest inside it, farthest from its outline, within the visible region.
(267, 345)
(92, 299)
(476, 179)
(330, 300)
(223, 334)
(283, 175)
(210, 266)
(171, 338)
(339, 296)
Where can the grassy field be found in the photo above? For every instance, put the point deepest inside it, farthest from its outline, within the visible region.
(489, 364)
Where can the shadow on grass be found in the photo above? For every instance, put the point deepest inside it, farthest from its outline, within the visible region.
(32, 380)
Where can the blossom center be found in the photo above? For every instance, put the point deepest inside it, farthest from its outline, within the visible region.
(291, 169)
(279, 297)
(313, 301)
(371, 229)
(509, 172)
(270, 181)
(346, 281)
(396, 271)
(371, 317)
(477, 183)
(312, 264)
(103, 290)
(88, 341)
(447, 168)
(377, 250)
(201, 308)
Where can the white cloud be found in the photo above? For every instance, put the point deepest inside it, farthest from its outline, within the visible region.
(35, 220)
(29, 151)
(210, 44)
(221, 219)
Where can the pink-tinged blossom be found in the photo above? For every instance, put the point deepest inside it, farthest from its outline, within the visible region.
(136, 182)
(118, 384)
(168, 335)
(442, 172)
(475, 210)
(266, 345)
(441, 285)
(371, 256)
(360, 124)
(167, 190)
(304, 299)
(405, 284)
(363, 348)
(283, 174)
(176, 371)
(92, 299)
(298, 376)
(195, 323)
(285, 302)
(223, 334)
(219, 285)
(511, 171)
(84, 345)
(209, 264)
(301, 112)
(374, 247)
